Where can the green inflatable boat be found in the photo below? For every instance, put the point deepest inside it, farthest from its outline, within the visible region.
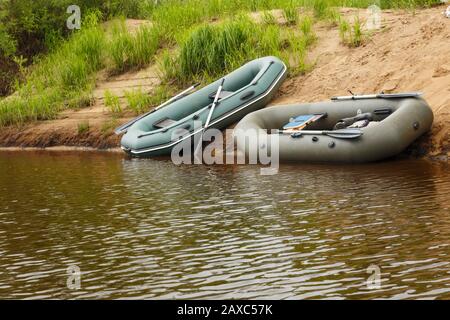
(217, 105)
(349, 129)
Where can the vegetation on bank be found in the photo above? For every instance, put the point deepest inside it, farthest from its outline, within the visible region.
(62, 79)
(209, 52)
(190, 40)
(351, 34)
(132, 50)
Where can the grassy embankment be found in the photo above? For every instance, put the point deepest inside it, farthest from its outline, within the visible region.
(190, 41)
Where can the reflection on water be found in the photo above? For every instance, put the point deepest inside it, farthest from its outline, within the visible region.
(149, 229)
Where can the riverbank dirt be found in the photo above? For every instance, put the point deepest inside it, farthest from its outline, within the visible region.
(409, 53)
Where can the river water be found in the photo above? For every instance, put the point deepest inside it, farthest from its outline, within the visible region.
(150, 229)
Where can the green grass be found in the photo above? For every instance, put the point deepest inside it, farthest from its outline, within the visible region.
(160, 94)
(351, 34)
(112, 102)
(290, 14)
(127, 50)
(211, 51)
(140, 102)
(62, 79)
(320, 8)
(174, 17)
(306, 27)
(137, 100)
(268, 18)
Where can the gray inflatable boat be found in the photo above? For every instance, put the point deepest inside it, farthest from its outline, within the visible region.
(245, 90)
(394, 121)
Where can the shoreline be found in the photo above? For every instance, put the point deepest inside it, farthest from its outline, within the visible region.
(60, 149)
(419, 150)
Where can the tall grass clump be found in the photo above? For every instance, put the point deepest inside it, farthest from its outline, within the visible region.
(112, 102)
(211, 51)
(320, 8)
(307, 31)
(351, 34)
(137, 100)
(296, 55)
(171, 16)
(119, 46)
(290, 14)
(128, 50)
(268, 18)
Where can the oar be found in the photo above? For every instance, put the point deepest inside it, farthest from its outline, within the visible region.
(339, 134)
(123, 128)
(379, 95)
(208, 119)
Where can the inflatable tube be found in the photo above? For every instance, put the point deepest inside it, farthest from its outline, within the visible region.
(396, 123)
(245, 90)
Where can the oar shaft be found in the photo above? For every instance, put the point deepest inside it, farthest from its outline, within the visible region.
(339, 134)
(216, 98)
(178, 96)
(208, 119)
(379, 96)
(125, 126)
(367, 96)
(317, 132)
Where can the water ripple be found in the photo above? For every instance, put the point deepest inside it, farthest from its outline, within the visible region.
(149, 229)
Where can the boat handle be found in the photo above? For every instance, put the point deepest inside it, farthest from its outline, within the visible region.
(248, 95)
(255, 81)
(382, 111)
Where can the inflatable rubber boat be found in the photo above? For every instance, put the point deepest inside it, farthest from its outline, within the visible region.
(349, 129)
(217, 105)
